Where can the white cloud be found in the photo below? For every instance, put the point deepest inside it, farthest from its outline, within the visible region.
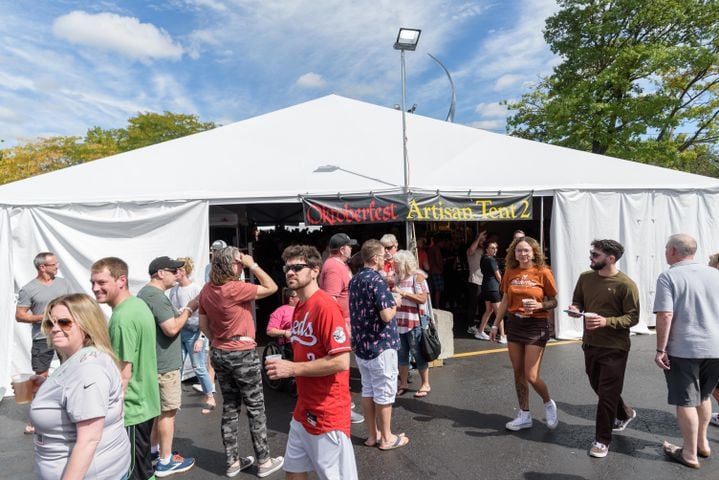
(114, 33)
(491, 110)
(212, 4)
(506, 81)
(311, 80)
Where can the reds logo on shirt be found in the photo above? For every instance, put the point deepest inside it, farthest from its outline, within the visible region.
(302, 332)
(339, 335)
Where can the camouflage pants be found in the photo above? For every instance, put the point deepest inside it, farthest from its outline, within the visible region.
(240, 378)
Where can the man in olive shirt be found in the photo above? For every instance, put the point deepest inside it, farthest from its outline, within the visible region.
(169, 323)
(132, 334)
(610, 302)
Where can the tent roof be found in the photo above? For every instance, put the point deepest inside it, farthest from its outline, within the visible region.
(272, 158)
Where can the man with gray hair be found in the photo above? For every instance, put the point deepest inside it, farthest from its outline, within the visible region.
(687, 310)
(31, 303)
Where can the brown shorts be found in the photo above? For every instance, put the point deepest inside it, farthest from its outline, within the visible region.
(529, 331)
(170, 390)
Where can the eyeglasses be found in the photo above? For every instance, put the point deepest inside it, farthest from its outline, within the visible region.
(51, 264)
(594, 254)
(65, 324)
(390, 248)
(295, 267)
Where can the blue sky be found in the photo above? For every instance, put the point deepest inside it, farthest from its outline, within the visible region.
(66, 66)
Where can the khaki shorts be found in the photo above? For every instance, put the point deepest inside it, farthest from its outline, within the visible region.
(170, 390)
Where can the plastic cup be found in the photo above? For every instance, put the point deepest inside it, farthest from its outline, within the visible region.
(22, 384)
(272, 358)
(527, 302)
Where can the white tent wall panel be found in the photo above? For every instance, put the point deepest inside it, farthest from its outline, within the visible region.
(81, 234)
(642, 222)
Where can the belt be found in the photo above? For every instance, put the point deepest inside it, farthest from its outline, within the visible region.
(241, 338)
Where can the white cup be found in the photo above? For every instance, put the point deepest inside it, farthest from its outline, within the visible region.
(272, 358)
(527, 302)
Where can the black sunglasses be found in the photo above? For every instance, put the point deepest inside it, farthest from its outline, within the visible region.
(171, 270)
(296, 267)
(594, 254)
(65, 324)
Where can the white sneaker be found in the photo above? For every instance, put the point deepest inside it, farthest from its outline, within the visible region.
(714, 420)
(481, 336)
(197, 387)
(550, 409)
(503, 339)
(523, 420)
(621, 425)
(356, 417)
(598, 450)
(472, 330)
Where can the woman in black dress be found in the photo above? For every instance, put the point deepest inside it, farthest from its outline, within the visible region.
(491, 278)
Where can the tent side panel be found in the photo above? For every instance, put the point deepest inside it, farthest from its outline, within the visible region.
(82, 234)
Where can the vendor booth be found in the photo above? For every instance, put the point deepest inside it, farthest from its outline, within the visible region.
(156, 200)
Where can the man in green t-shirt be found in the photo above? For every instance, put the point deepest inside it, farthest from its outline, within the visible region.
(608, 300)
(132, 334)
(168, 324)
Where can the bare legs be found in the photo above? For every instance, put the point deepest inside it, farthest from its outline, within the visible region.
(526, 363)
(490, 308)
(693, 423)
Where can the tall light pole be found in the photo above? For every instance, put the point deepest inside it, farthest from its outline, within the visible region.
(407, 40)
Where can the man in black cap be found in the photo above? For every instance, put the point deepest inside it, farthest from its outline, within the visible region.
(168, 323)
(335, 280)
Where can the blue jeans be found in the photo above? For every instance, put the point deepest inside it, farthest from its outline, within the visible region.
(198, 359)
(411, 342)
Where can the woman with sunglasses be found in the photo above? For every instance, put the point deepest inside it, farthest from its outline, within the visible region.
(226, 319)
(529, 293)
(78, 409)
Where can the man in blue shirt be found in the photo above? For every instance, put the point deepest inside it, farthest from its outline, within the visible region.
(375, 340)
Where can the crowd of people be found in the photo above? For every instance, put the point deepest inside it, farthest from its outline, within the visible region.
(108, 410)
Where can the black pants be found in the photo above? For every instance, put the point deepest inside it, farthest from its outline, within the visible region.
(605, 368)
(475, 307)
(141, 467)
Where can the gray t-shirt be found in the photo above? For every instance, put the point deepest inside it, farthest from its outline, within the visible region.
(37, 295)
(689, 290)
(169, 349)
(85, 386)
(180, 296)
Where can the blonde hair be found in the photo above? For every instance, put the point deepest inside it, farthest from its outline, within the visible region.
(88, 317)
(405, 264)
(189, 265)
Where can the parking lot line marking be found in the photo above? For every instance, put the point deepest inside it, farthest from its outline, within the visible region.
(504, 349)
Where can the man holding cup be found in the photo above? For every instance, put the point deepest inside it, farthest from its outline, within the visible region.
(613, 299)
(319, 438)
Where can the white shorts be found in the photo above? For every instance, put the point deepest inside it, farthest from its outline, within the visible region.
(330, 455)
(379, 377)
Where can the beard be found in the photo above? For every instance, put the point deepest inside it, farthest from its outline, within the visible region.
(597, 265)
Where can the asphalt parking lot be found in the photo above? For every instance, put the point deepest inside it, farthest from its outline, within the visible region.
(457, 432)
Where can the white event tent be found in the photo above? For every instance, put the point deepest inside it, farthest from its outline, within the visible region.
(155, 200)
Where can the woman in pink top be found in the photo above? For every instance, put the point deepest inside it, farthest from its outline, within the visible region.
(280, 324)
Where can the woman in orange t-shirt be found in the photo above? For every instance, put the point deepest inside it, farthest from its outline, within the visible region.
(529, 294)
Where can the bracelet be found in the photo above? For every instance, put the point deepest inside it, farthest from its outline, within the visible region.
(189, 310)
(661, 351)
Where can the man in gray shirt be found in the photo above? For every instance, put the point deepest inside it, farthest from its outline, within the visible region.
(687, 310)
(169, 323)
(31, 303)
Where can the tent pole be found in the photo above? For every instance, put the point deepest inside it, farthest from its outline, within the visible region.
(541, 223)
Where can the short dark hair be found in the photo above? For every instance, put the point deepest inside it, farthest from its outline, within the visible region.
(308, 253)
(609, 247)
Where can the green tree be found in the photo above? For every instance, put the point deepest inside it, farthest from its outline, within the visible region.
(48, 154)
(638, 80)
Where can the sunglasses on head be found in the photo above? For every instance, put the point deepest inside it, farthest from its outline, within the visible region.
(296, 267)
(65, 324)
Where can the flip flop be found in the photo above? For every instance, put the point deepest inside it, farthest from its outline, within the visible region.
(401, 391)
(675, 453)
(207, 409)
(400, 441)
(421, 393)
(29, 430)
(370, 444)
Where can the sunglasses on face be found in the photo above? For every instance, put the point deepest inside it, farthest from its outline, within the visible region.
(594, 254)
(171, 270)
(65, 324)
(296, 267)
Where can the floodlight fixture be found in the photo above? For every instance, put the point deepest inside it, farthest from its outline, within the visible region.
(407, 39)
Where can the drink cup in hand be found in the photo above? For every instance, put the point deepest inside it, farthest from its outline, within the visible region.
(528, 304)
(272, 358)
(23, 385)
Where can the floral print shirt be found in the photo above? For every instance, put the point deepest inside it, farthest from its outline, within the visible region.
(369, 295)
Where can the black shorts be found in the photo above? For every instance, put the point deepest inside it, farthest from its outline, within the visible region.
(141, 461)
(491, 296)
(41, 355)
(690, 381)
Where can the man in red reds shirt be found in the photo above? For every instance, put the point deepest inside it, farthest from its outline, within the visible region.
(319, 438)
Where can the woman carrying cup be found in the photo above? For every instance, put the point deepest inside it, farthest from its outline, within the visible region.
(529, 293)
(78, 409)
